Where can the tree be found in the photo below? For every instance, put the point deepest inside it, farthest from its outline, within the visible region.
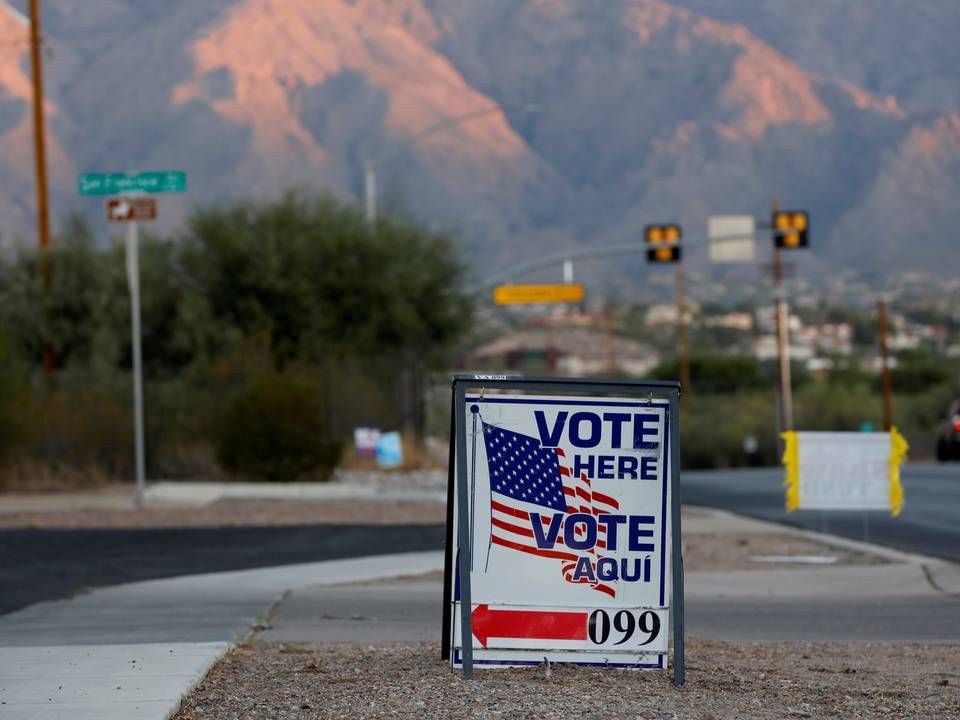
(317, 279)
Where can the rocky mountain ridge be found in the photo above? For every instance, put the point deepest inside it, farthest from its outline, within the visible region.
(604, 116)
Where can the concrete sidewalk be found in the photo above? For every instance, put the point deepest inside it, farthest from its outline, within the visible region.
(132, 652)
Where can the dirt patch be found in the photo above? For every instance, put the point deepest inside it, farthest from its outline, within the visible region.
(736, 551)
(231, 513)
(724, 680)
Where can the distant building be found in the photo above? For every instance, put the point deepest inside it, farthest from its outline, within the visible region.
(765, 348)
(829, 338)
(767, 320)
(733, 321)
(570, 351)
(667, 314)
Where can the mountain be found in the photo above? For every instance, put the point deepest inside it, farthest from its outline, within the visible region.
(603, 116)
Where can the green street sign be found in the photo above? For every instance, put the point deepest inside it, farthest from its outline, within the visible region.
(116, 183)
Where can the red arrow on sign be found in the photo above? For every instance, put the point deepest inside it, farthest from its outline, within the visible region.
(532, 624)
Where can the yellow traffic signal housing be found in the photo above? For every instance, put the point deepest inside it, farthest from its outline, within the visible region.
(790, 229)
(664, 242)
(664, 254)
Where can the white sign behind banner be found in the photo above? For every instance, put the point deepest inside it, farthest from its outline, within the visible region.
(844, 471)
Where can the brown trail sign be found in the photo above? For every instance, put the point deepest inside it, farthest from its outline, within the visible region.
(131, 209)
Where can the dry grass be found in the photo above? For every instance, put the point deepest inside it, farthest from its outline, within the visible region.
(33, 476)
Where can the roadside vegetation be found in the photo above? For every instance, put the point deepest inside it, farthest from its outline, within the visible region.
(733, 399)
(269, 331)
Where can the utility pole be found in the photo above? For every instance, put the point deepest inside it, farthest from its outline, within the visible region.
(683, 347)
(611, 342)
(783, 337)
(885, 367)
(370, 192)
(40, 155)
(663, 246)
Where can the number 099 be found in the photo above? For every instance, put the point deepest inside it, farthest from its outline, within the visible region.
(624, 626)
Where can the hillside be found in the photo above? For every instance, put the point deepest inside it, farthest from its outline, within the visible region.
(611, 115)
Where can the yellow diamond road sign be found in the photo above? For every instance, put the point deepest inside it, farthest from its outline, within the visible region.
(532, 294)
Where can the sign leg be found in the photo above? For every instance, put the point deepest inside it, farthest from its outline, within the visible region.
(463, 531)
(679, 670)
(445, 632)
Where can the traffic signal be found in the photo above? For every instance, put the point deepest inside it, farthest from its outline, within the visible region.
(663, 242)
(790, 229)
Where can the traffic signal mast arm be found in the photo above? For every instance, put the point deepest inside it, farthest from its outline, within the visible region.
(558, 259)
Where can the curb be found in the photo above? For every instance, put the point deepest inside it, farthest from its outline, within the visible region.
(198, 494)
(942, 575)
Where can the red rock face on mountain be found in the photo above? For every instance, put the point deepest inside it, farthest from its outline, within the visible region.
(602, 116)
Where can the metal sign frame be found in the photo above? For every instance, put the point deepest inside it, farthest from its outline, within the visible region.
(458, 550)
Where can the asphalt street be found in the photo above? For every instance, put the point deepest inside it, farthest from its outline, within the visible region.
(929, 523)
(37, 565)
(411, 612)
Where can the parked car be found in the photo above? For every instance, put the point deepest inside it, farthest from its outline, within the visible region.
(948, 439)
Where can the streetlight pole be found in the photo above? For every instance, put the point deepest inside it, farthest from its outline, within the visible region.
(370, 165)
(370, 191)
(133, 280)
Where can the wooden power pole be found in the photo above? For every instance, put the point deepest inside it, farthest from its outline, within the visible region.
(40, 154)
(783, 339)
(683, 346)
(885, 367)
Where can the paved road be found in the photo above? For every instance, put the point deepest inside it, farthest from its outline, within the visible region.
(38, 565)
(929, 523)
(411, 611)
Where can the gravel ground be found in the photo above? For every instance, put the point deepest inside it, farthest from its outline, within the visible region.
(724, 680)
(231, 513)
(111, 507)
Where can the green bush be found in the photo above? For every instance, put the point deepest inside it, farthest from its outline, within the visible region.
(275, 430)
(916, 373)
(835, 407)
(713, 433)
(715, 373)
(10, 395)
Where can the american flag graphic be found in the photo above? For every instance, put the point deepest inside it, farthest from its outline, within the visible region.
(528, 479)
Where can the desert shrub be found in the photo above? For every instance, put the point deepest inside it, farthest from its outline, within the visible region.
(715, 373)
(918, 372)
(274, 430)
(712, 434)
(11, 394)
(79, 434)
(836, 407)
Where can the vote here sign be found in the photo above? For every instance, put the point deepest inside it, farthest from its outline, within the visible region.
(570, 530)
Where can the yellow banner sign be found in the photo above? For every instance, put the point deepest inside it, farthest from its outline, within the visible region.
(532, 294)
